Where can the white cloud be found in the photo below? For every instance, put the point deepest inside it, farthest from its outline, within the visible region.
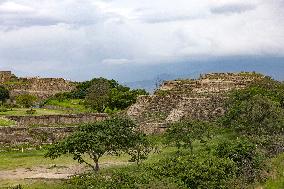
(89, 34)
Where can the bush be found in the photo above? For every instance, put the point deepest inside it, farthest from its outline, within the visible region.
(31, 111)
(3, 109)
(182, 134)
(128, 178)
(200, 172)
(26, 100)
(249, 160)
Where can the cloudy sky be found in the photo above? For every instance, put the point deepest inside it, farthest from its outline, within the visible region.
(81, 39)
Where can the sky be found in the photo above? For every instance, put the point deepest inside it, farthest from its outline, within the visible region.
(128, 39)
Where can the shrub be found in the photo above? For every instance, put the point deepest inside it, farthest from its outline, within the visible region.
(200, 172)
(31, 111)
(249, 160)
(183, 133)
(26, 100)
(3, 109)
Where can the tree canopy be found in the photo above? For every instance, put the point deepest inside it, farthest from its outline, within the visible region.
(4, 94)
(111, 136)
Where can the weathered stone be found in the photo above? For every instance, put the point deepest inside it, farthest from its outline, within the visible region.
(201, 99)
(51, 120)
(40, 87)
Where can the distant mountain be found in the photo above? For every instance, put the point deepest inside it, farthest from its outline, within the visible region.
(152, 84)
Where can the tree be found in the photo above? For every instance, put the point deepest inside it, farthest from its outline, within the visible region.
(97, 97)
(250, 161)
(26, 100)
(183, 133)
(255, 116)
(111, 136)
(4, 94)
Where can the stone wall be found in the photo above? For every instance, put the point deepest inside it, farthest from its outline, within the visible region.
(201, 99)
(10, 136)
(40, 87)
(51, 120)
(5, 76)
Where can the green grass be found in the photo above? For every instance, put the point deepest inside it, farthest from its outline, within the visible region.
(75, 105)
(39, 111)
(35, 158)
(277, 180)
(6, 122)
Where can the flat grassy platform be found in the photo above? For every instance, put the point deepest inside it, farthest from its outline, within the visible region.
(39, 111)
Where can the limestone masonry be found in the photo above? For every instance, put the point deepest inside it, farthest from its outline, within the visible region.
(40, 87)
(44, 129)
(201, 99)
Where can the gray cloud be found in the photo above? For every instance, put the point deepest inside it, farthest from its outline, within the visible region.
(233, 8)
(95, 37)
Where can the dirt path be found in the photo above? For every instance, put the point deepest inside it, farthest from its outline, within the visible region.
(48, 172)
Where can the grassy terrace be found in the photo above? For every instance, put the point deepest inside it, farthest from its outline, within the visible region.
(39, 111)
(75, 105)
(5, 122)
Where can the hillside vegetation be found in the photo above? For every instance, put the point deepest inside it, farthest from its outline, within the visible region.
(241, 149)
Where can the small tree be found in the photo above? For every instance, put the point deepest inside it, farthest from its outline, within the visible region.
(183, 133)
(4, 94)
(111, 136)
(97, 96)
(26, 100)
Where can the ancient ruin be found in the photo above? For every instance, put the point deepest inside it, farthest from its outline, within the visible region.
(40, 87)
(33, 129)
(201, 99)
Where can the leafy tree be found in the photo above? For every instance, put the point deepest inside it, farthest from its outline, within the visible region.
(122, 99)
(257, 112)
(250, 161)
(183, 133)
(111, 136)
(26, 100)
(98, 95)
(102, 95)
(4, 94)
(257, 115)
(141, 149)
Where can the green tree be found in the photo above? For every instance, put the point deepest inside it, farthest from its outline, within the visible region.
(250, 161)
(111, 136)
(26, 100)
(183, 133)
(4, 94)
(257, 115)
(98, 94)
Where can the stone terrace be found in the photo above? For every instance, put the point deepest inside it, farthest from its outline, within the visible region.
(201, 99)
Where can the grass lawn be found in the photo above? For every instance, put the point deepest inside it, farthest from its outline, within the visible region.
(6, 122)
(277, 180)
(10, 161)
(39, 111)
(75, 105)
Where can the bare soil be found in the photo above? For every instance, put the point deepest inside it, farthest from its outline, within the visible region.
(49, 172)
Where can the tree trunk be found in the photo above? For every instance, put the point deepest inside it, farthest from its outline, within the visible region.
(97, 167)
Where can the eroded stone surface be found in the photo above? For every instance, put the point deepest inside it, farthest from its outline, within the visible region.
(201, 99)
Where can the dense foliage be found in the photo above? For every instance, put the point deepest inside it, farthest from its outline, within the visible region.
(111, 136)
(257, 112)
(4, 94)
(102, 95)
(26, 100)
(182, 134)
